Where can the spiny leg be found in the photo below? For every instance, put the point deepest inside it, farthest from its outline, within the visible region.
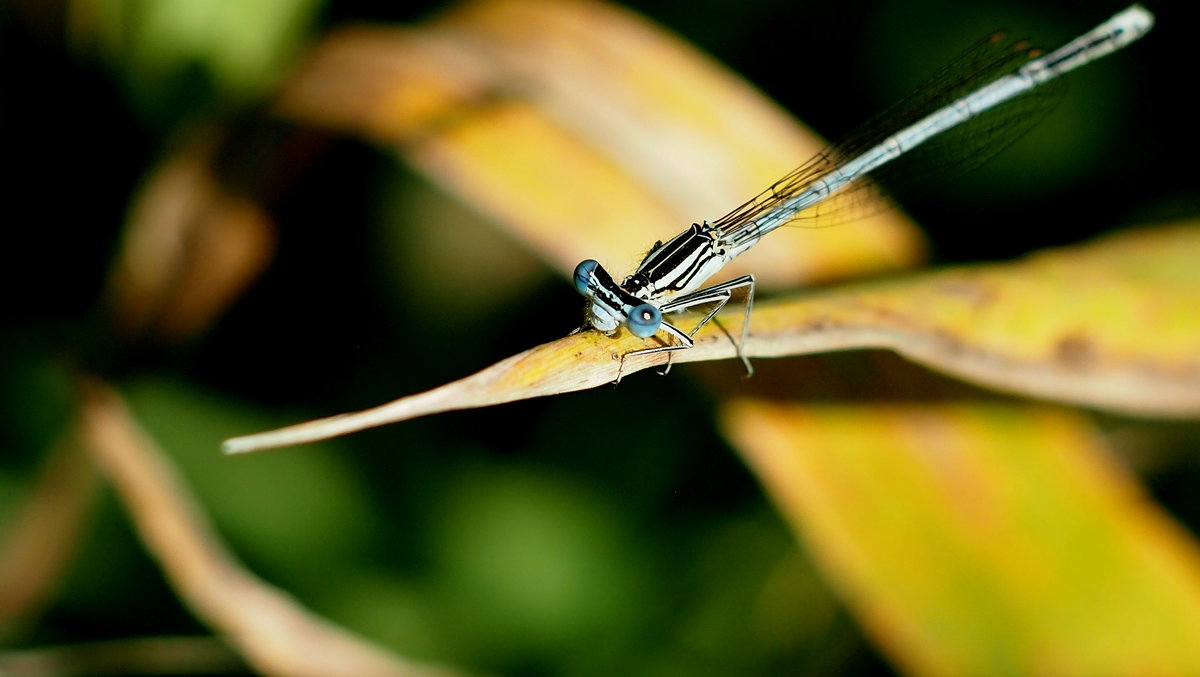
(716, 295)
(719, 298)
(719, 294)
(685, 342)
(741, 345)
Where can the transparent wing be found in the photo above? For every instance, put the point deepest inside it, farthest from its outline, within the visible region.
(952, 153)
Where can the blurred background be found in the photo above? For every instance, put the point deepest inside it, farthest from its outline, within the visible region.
(530, 538)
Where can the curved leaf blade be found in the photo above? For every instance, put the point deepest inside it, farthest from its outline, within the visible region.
(974, 539)
(585, 130)
(1109, 324)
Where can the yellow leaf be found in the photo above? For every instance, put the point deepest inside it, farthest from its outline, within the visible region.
(274, 633)
(190, 248)
(974, 540)
(585, 130)
(1110, 324)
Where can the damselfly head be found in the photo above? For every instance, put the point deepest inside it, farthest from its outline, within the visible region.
(607, 303)
(604, 304)
(585, 277)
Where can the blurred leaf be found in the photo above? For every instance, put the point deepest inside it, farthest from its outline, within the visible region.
(274, 633)
(140, 656)
(586, 131)
(39, 542)
(241, 48)
(414, 261)
(190, 248)
(1110, 324)
(314, 513)
(982, 540)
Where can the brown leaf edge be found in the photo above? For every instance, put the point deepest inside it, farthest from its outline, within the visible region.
(274, 633)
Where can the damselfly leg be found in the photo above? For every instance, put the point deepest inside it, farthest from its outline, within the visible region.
(717, 295)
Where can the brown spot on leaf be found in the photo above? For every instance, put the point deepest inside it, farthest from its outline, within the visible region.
(1075, 351)
(818, 324)
(950, 342)
(978, 295)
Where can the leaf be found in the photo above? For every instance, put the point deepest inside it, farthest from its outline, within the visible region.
(264, 526)
(584, 130)
(40, 540)
(275, 634)
(974, 539)
(241, 48)
(190, 248)
(1110, 324)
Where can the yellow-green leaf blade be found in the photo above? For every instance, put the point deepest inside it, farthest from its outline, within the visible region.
(1111, 324)
(585, 130)
(982, 540)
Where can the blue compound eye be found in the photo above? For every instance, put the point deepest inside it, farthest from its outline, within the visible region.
(583, 277)
(644, 320)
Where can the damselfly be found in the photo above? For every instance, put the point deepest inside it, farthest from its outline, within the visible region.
(669, 278)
